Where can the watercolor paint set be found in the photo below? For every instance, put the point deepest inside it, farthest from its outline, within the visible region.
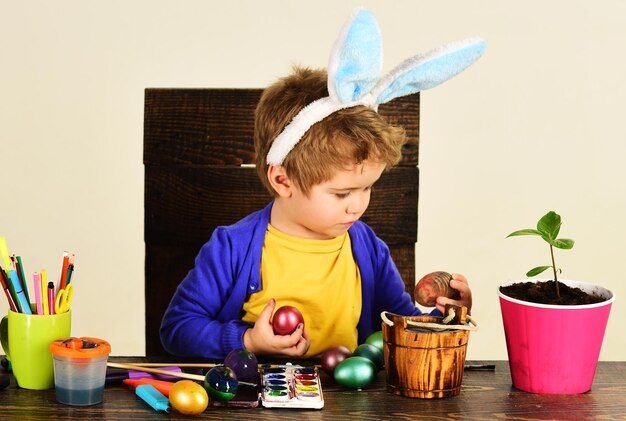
(291, 387)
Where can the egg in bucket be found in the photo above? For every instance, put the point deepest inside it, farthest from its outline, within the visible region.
(425, 355)
(80, 370)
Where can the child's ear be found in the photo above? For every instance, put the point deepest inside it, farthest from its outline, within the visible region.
(279, 180)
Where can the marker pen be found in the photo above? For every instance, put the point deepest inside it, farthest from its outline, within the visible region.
(160, 385)
(21, 302)
(4, 280)
(4, 254)
(19, 267)
(51, 297)
(153, 397)
(37, 291)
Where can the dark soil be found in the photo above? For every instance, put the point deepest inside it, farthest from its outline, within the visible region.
(545, 293)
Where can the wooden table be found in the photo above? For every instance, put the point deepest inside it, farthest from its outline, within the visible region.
(485, 395)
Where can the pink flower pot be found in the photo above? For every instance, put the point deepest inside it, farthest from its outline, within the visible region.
(554, 349)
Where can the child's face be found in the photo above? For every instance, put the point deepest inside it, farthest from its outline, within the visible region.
(333, 206)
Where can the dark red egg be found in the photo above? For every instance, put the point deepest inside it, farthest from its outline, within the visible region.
(333, 356)
(286, 319)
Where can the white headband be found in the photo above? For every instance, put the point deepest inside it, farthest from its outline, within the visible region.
(354, 70)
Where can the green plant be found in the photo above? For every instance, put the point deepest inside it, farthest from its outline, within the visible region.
(548, 228)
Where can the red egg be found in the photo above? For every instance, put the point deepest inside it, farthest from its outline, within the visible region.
(333, 356)
(286, 320)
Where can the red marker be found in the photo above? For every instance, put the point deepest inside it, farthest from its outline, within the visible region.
(160, 385)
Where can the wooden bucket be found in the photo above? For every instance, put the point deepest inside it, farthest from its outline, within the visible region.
(421, 363)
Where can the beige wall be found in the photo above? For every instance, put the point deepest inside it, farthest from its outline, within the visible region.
(535, 125)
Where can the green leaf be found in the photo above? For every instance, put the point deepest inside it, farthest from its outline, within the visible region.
(550, 225)
(547, 238)
(524, 232)
(563, 243)
(537, 270)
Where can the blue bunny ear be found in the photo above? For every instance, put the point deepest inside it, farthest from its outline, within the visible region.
(425, 71)
(355, 62)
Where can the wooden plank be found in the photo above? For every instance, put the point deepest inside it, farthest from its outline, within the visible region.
(405, 112)
(166, 266)
(196, 127)
(184, 205)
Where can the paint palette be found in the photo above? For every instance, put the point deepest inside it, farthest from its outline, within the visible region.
(291, 387)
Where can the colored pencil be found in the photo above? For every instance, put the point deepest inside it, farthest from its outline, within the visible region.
(64, 265)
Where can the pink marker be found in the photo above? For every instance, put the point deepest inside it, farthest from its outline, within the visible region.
(37, 289)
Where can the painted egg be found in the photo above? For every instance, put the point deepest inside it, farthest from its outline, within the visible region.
(333, 356)
(286, 319)
(433, 285)
(372, 353)
(188, 397)
(376, 339)
(244, 363)
(221, 383)
(355, 372)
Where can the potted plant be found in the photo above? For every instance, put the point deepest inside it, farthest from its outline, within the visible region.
(554, 328)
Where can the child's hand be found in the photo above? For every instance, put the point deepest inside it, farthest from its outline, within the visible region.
(261, 339)
(458, 282)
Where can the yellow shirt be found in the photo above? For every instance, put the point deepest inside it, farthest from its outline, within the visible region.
(318, 277)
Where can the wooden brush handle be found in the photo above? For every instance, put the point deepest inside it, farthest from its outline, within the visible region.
(137, 367)
(156, 371)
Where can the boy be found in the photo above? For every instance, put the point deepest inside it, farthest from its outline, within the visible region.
(307, 248)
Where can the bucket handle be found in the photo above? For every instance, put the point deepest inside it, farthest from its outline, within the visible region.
(471, 325)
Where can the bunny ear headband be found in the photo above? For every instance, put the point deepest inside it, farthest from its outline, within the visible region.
(354, 78)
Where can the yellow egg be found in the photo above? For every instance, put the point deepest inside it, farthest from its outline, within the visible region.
(188, 397)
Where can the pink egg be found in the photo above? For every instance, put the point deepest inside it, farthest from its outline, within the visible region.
(286, 319)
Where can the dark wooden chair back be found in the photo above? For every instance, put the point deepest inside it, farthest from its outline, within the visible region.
(195, 142)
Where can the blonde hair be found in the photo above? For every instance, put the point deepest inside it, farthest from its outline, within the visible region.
(346, 137)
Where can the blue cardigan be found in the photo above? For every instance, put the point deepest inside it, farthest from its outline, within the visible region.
(204, 316)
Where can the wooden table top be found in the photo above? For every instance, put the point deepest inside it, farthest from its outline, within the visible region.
(485, 395)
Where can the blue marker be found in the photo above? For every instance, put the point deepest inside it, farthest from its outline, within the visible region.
(22, 303)
(153, 397)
